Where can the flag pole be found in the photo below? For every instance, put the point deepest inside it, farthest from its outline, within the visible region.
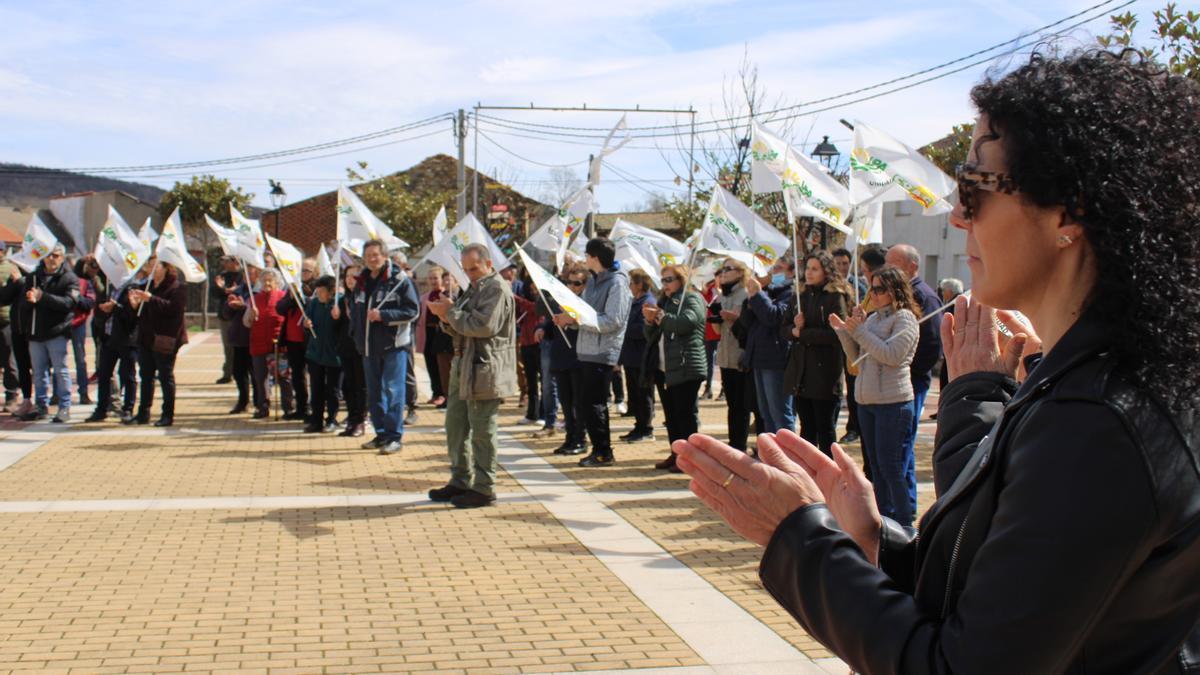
(303, 314)
(796, 261)
(149, 280)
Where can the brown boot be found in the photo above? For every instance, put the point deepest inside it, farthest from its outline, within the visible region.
(666, 464)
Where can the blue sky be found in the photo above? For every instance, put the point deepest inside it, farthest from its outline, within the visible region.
(137, 83)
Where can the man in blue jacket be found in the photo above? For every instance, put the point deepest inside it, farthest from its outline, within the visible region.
(599, 348)
(383, 309)
(765, 353)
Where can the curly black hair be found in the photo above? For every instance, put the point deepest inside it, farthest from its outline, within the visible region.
(1113, 139)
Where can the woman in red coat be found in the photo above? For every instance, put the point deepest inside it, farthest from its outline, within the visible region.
(264, 323)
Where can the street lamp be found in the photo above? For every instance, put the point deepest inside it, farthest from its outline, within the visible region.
(826, 153)
(278, 200)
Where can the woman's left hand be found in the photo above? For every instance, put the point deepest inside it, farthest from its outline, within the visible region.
(971, 341)
(753, 497)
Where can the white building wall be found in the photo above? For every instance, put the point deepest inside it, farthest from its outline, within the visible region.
(942, 246)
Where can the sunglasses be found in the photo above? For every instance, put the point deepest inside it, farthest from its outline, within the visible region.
(670, 280)
(729, 269)
(971, 181)
(577, 284)
(879, 290)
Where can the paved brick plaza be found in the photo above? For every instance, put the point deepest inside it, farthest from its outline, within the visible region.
(226, 544)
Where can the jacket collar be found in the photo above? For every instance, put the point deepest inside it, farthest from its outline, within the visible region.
(1087, 337)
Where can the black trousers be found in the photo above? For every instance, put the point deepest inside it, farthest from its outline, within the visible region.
(597, 378)
(569, 384)
(737, 387)
(431, 366)
(120, 361)
(152, 364)
(354, 387)
(618, 386)
(851, 404)
(681, 409)
(20, 352)
(641, 400)
(818, 421)
(410, 378)
(531, 356)
(297, 362)
(11, 383)
(241, 368)
(324, 381)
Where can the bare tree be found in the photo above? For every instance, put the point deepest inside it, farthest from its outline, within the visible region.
(563, 183)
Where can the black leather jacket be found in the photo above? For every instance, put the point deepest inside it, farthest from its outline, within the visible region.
(1065, 539)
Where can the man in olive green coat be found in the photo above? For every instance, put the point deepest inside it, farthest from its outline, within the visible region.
(484, 371)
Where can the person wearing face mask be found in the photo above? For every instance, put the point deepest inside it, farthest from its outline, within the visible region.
(816, 361)
(765, 354)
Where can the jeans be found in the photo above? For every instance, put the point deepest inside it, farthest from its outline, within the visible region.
(79, 351)
(549, 388)
(120, 361)
(471, 439)
(152, 364)
(884, 430)
(386, 390)
(710, 351)
(48, 354)
(641, 400)
(324, 381)
(736, 386)
(774, 404)
(597, 377)
(920, 393)
(818, 421)
(569, 384)
(532, 358)
(681, 410)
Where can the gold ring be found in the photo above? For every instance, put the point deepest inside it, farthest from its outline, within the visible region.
(728, 480)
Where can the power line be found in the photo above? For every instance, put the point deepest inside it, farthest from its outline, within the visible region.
(526, 159)
(739, 118)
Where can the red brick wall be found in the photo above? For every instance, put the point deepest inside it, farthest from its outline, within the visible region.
(306, 224)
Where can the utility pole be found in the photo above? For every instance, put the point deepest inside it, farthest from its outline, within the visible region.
(475, 169)
(589, 225)
(692, 156)
(460, 134)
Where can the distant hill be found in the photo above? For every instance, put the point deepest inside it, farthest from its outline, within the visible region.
(25, 186)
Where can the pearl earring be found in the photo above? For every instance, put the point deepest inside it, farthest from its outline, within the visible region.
(1066, 240)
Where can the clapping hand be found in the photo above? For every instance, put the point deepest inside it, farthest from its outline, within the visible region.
(971, 341)
(563, 320)
(439, 308)
(730, 316)
(752, 285)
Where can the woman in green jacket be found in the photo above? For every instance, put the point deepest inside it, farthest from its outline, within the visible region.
(676, 328)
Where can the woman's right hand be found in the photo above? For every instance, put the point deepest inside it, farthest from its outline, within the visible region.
(848, 494)
(836, 322)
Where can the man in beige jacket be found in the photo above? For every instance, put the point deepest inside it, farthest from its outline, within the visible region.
(483, 372)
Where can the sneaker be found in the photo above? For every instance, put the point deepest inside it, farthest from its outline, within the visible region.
(526, 420)
(35, 414)
(446, 493)
(570, 449)
(637, 436)
(472, 500)
(330, 427)
(62, 416)
(374, 443)
(411, 418)
(594, 460)
(850, 437)
(391, 447)
(313, 428)
(224, 380)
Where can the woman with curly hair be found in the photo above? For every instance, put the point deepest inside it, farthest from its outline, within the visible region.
(1066, 532)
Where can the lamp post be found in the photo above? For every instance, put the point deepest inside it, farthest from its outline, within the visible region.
(278, 200)
(826, 153)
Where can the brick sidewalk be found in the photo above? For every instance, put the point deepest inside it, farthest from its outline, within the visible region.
(240, 545)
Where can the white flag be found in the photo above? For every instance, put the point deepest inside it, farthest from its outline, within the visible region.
(706, 268)
(731, 229)
(868, 223)
(574, 212)
(882, 169)
(646, 248)
(290, 259)
(119, 252)
(440, 226)
(572, 305)
(226, 237)
(172, 249)
(356, 225)
(448, 252)
(325, 265)
(549, 235)
(608, 149)
(36, 245)
(807, 190)
(250, 242)
(147, 233)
